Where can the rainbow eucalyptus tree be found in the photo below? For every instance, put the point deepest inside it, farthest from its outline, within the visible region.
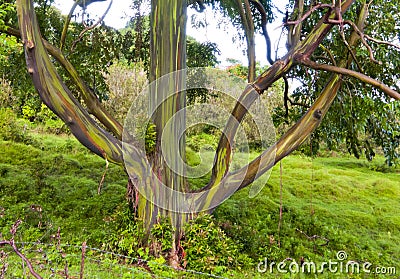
(160, 188)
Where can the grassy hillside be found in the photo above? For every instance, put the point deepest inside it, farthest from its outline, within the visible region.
(62, 178)
(328, 205)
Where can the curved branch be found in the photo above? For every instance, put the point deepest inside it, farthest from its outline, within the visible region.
(308, 13)
(364, 78)
(22, 256)
(304, 49)
(80, 3)
(329, 53)
(12, 244)
(90, 99)
(362, 36)
(55, 93)
(381, 42)
(264, 21)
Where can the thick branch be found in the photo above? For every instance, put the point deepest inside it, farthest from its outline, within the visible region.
(221, 181)
(248, 27)
(303, 128)
(303, 49)
(292, 139)
(297, 29)
(56, 95)
(90, 99)
(364, 78)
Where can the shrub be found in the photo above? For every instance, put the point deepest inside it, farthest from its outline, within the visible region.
(11, 128)
(202, 140)
(125, 82)
(7, 98)
(51, 123)
(208, 249)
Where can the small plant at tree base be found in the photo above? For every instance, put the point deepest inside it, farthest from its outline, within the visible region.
(208, 249)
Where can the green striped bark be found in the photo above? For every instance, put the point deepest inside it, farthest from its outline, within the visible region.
(56, 95)
(167, 55)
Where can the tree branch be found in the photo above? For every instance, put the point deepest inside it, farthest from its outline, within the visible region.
(66, 25)
(304, 49)
(295, 32)
(364, 78)
(290, 141)
(362, 36)
(90, 99)
(248, 26)
(85, 3)
(264, 21)
(55, 93)
(381, 42)
(12, 244)
(329, 53)
(307, 14)
(82, 4)
(88, 28)
(286, 97)
(353, 55)
(200, 7)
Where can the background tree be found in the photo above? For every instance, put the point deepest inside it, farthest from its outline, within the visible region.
(362, 107)
(248, 17)
(345, 20)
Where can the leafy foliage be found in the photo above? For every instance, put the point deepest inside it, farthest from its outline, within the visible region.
(229, 10)
(125, 82)
(362, 118)
(13, 129)
(208, 249)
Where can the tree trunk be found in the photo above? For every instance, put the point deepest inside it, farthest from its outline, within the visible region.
(248, 27)
(168, 55)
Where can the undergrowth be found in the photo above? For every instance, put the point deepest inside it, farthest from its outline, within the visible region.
(328, 205)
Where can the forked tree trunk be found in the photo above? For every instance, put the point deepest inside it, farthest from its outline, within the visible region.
(168, 38)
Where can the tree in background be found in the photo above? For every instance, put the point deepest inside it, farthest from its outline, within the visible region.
(328, 49)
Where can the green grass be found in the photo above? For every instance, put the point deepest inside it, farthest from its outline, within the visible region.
(63, 179)
(343, 200)
(328, 205)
